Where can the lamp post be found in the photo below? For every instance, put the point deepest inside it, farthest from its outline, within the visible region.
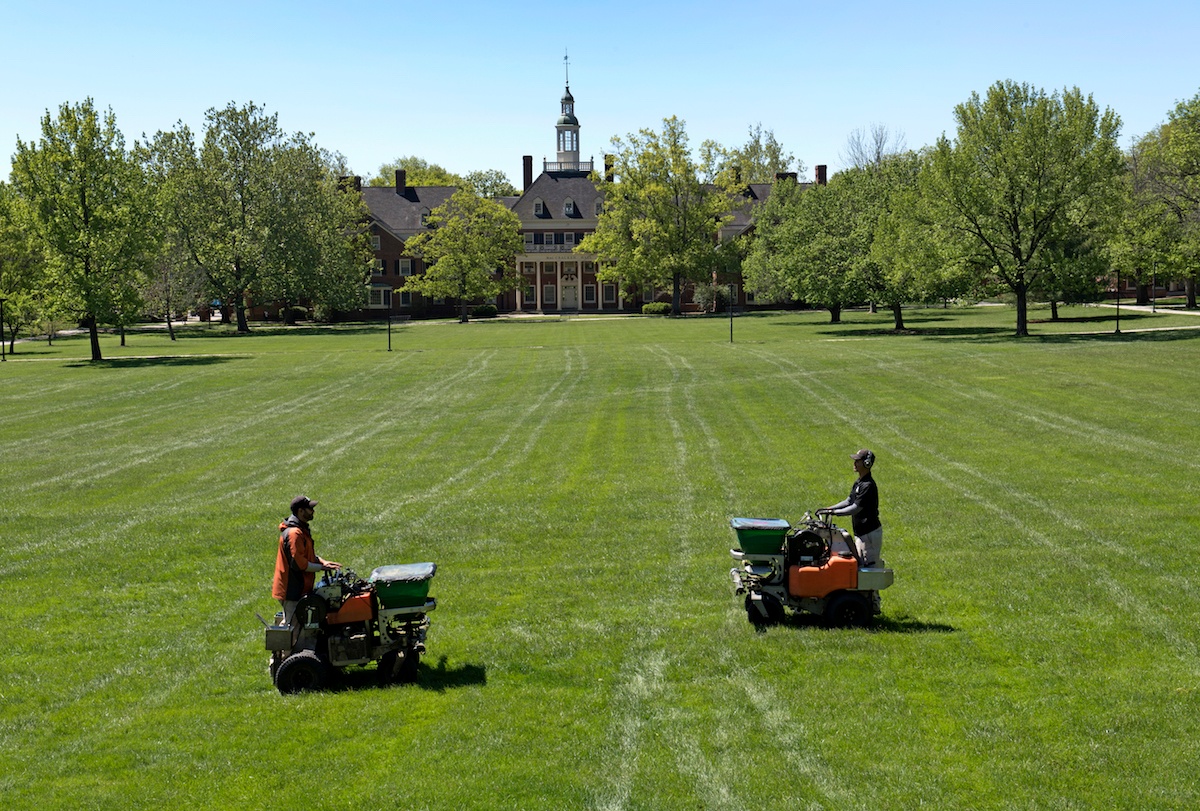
(2, 347)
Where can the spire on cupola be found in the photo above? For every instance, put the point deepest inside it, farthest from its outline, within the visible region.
(568, 124)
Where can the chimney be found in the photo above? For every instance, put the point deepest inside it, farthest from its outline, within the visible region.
(401, 176)
(786, 176)
(821, 168)
(609, 160)
(527, 165)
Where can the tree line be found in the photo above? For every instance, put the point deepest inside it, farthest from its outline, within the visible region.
(1032, 196)
(94, 232)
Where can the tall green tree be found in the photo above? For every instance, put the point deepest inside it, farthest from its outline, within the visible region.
(88, 203)
(490, 183)
(22, 267)
(758, 160)
(660, 222)
(261, 213)
(1024, 168)
(1170, 164)
(469, 252)
(418, 172)
(806, 244)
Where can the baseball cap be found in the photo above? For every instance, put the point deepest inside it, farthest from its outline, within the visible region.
(302, 501)
(864, 456)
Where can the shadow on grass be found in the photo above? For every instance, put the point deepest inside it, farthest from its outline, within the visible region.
(161, 360)
(224, 331)
(438, 679)
(882, 624)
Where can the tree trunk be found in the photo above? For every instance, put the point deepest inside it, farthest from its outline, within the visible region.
(835, 314)
(170, 327)
(1022, 291)
(242, 326)
(121, 329)
(898, 315)
(1189, 287)
(676, 295)
(462, 314)
(1143, 294)
(94, 336)
(1053, 310)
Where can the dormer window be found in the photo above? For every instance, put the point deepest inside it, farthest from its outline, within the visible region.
(599, 207)
(539, 208)
(569, 208)
(425, 212)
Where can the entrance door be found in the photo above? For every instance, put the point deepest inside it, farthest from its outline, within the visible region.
(570, 297)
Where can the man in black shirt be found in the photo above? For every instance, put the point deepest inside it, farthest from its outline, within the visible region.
(862, 506)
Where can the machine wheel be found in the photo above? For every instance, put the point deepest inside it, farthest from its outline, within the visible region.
(276, 661)
(301, 671)
(394, 670)
(408, 668)
(774, 608)
(848, 609)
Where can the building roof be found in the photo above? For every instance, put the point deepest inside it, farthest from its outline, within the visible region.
(554, 189)
(401, 214)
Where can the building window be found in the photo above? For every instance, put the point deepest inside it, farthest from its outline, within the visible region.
(548, 238)
(548, 294)
(405, 298)
(529, 239)
(382, 267)
(379, 298)
(529, 296)
(599, 207)
(647, 294)
(374, 242)
(528, 267)
(404, 267)
(570, 238)
(425, 212)
(539, 208)
(589, 294)
(569, 208)
(610, 294)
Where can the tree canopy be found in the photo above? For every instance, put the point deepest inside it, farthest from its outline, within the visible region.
(88, 211)
(758, 160)
(660, 222)
(420, 172)
(1025, 170)
(469, 252)
(262, 213)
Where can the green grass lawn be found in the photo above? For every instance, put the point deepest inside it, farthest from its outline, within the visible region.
(574, 481)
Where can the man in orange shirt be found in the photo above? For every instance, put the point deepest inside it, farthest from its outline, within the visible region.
(297, 562)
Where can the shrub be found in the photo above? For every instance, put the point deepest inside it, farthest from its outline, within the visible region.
(484, 311)
(656, 308)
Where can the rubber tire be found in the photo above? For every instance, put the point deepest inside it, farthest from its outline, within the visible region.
(393, 671)
(848, 610)
(774, 616)
(408, 668)
(301, 671)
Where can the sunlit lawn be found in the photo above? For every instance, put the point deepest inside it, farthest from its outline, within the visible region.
(574, 481)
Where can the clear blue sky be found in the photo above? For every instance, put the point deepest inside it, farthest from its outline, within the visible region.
(476, 85)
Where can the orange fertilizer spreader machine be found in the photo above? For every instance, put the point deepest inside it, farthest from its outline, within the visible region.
(348, 622)
(814, 567)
